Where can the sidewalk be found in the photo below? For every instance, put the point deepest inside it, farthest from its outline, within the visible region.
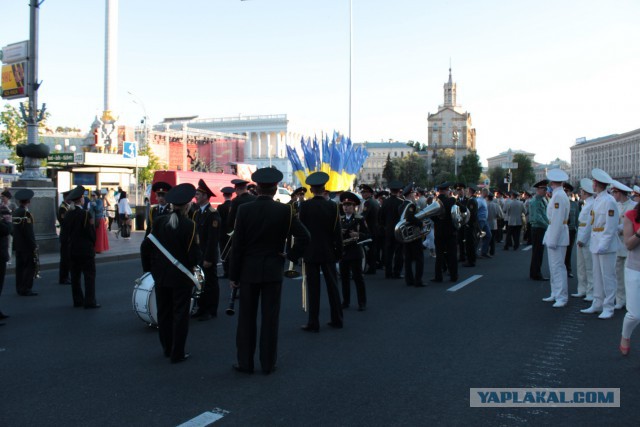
(119, 249)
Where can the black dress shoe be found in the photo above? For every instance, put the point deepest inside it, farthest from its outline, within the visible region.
(240, 369)
(335, 325)
(308, 328)
(420, 285)
(467, 264)
(344, 306)
(540, 278)
(436, 280)
(78, 304)
(204, 317)
(92, 306)
(369, 272)
(269, 371)
(65, 282)
(453, 279)
(362, 308)
(570, 275)
(398, 276)
(181, 359)
(3, 316)
(29, 294)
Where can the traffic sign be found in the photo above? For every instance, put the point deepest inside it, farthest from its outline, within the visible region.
(509, 165)
(60, 157)
(130, 149)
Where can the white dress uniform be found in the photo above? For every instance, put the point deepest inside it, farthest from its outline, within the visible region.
(621, 259)
(556, 238)
(583, 254)
(603, 245)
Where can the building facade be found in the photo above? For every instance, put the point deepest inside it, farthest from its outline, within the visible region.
(541, 170)
(371, 172)
(450, 127)
(618, 155)
(507, 157)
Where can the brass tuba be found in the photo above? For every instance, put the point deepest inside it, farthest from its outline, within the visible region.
(459, 217)
(406, 232)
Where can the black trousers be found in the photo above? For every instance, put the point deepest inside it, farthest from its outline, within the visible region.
(224, 240)
(3, 272)
(393, 257)
(372, 255)
(173, 304)
(446, 253)
(413, 257)
(471, 242)
(267, 296)
(513, 236)
(500, 228)
(567, 257)
(25, 270)
(537, 252)
(86, 267)
(210, 297)
(63, 270)
(352, 267)
(492, 242)
(462, 250)
(313, 292)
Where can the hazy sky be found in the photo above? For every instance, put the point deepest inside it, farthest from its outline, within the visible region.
(534, 75)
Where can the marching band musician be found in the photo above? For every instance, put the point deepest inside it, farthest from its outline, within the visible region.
(603, 245)
(445, 236)
(207, 221)
(6, 227)
(24, 243)
(79, 236)
(297, 197)
(370, 212)
(257, 267)
(584, 261)
(471, 228)
(413, 251)
(389, 217)
(63, 270)
(573, 227)
(162, 208)
(242, 196)
(556, 238)
(223, 210)
(354, 229)
(322, 219)
(461, 201)
(177, 233)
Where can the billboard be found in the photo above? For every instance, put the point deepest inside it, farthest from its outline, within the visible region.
(14, 80)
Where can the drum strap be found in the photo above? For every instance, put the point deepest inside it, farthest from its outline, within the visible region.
(173, 260)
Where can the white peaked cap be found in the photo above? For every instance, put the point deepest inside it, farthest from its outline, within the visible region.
(620, 186)
(601, 176)
(587, 185)
(557, 175)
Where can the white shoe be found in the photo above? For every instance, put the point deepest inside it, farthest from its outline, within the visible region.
(559, 304)
(619, 306)
(607, 314)
(578, 295)
(591, 310)
(589, 299)
(549, 299)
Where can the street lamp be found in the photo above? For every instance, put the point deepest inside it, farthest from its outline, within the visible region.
(139, 102)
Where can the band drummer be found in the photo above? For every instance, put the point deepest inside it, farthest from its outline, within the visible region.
(24, 243)
(162, 208)
(173, 288)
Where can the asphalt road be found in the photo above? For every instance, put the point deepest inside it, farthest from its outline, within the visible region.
(409, 360)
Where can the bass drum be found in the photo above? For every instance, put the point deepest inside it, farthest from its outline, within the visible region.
(144, 300)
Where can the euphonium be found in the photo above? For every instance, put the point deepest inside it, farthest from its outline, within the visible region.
(198, 273)
(406, 232)
(459, 218)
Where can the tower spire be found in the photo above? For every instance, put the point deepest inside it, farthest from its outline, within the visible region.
(450, 90)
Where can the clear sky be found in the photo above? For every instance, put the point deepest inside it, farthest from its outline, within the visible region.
(534, 75)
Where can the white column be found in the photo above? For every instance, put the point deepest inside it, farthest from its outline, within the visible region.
(247, 146)
(279, 149)
(269, 148)
(259, 153)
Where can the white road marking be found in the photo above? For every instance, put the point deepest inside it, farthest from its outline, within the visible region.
(526, 248)
(464, 283)
(206, 418)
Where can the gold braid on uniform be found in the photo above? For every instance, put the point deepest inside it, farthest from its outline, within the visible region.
(193, 233)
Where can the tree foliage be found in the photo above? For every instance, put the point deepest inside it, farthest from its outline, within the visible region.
(412, 169)
(442, 167)
(470, 168)
(388, 173)
(496, 175)
(523, 177)
(146, 174)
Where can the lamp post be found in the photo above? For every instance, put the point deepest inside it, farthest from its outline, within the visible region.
(145, 119)
(350, 59)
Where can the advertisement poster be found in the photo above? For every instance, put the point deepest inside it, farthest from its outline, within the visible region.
(14, 81)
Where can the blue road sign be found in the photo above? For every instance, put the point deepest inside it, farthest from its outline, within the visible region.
(129, 150)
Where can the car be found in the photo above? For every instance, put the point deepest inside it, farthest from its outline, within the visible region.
(282, 195)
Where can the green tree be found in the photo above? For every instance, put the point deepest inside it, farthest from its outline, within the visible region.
(13, 130)
(470, 168)
(524, 175)
(443, 166)
(412, 168)
(388, 173)
(146, 174)
(496, 175)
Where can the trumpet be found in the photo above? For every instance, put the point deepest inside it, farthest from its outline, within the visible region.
(16, 220)
(198, 273)
(227, 248)
(291, 273)
(232, 302)
(36, 261)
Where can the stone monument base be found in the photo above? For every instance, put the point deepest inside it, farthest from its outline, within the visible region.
(43, 209)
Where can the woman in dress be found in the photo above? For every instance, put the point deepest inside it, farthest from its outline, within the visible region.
(124, 210)
(110, 207)
(96, 208)
(631, 236)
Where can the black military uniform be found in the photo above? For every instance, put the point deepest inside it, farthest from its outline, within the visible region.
(156, 211)
(79, 236)
(177, 234)
(370, 213)
(207, 221)
(381, 196)
(389, 217)
(223, 210)
(63, 270)
(354, 229)
(461, 201)
(257, 266)
(6, 227)
(24, 243)
(471, 230)
(445, 236)
(322, 219)
(242, 196)
(413, 251)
